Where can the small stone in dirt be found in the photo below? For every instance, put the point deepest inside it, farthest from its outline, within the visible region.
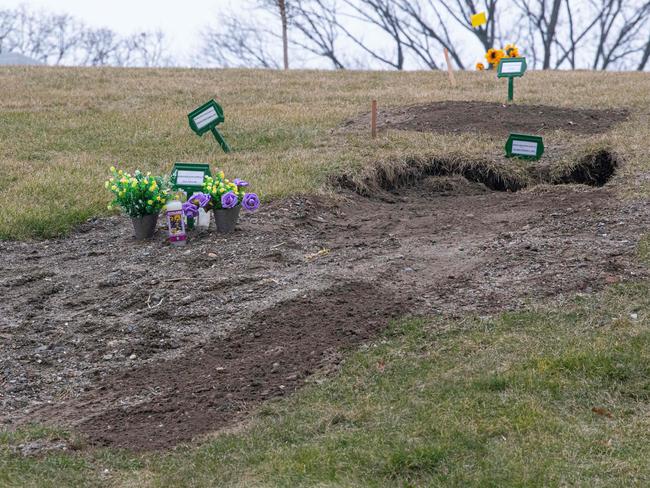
(133, 356)
(212, 255)
(634, 316)
(107, 357)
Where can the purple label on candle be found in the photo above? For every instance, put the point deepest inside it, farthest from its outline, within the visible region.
(176, 226)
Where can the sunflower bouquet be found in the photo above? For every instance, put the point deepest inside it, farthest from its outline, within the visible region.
(225, 194)
(139, 194)
(494, 56)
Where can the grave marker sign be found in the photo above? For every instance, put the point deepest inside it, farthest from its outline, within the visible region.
(189, 177)
(206, 118)
(525, 147)
(511, 68)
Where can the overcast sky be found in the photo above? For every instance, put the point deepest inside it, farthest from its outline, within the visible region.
(180, 20)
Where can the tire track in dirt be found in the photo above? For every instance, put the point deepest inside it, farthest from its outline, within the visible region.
(213, 386)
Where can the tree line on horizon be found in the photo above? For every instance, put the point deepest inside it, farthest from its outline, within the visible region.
(358, 34)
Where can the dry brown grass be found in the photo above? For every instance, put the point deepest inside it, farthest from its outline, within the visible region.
(61, 128)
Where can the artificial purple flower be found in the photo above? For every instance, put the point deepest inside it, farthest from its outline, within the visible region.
(240, 183)
(229, 200)
(251, 202)
(200, 199)
(190, 210)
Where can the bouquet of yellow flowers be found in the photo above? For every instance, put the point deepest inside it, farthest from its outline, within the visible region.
(138, 194)
(494, 56)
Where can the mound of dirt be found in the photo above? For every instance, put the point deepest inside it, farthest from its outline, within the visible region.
(492, 118)
(144, 346)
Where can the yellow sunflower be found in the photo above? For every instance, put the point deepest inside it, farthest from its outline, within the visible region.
(494, 56)
(512, 51)
(480, 66)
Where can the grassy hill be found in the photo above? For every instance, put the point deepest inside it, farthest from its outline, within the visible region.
(553, 394)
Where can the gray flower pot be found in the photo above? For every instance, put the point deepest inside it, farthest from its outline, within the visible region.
(226, 219)
(144, 227)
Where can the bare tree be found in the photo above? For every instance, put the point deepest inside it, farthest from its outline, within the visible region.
(282, 8)
(236, 43)
(7, 27)
(61, 39)
(385, 16)
(462, 10)
(645, 56)
(316, 22)
(143, 49)
(100, 47)
(66, 35)
(618, 28)
(573, 32)
(427, 33)
(543, 17)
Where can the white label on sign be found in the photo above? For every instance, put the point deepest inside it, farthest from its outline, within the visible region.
(204, 118)
(524, 148)
(192, 178)
(511, 67)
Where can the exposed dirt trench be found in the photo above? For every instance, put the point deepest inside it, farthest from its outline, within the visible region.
(142, 346)
(594, 169)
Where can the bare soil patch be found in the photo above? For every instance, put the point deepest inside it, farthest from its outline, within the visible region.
(492, 118)
(144, 346)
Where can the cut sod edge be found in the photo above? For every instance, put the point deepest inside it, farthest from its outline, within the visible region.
(594, 169)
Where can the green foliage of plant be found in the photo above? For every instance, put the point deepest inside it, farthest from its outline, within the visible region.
(138, 194)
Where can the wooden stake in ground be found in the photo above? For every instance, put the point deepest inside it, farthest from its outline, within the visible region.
(373, 119)
(450, 69)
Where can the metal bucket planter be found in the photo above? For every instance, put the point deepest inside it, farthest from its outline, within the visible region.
(145, 226)
(226, 219)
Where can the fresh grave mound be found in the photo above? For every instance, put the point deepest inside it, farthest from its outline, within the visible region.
(493, 118)
(213, 386)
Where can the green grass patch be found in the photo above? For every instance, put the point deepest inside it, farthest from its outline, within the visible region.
(540, 397)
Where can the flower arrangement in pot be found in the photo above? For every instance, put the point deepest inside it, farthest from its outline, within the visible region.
(141, 197)
(227, 198)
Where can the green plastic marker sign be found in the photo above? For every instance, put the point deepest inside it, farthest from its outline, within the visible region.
(189, 176)
(524, 147)
(206, 118)
(511, 68)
